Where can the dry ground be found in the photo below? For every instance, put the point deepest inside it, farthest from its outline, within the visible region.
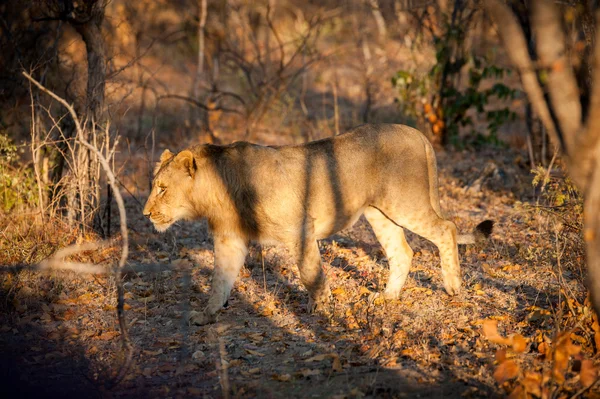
(59, 333)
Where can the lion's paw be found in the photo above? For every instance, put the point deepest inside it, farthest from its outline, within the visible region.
(452, 284)
(391, 295)
(320, 303)
(202, 318)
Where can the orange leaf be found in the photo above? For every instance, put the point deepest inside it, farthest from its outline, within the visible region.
(543, 349)
(507, 370)
(500, 355)
(563, 350)
(519, 344)
(490, 332)
(533, 383)
(518, 393)
(588, 373)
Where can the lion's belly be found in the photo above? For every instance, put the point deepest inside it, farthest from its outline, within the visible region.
(327, 225)
(336, 206)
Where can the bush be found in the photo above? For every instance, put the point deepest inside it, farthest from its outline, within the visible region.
(17, 183)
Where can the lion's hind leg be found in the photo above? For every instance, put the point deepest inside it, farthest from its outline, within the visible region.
(428, 224)
(399, 253)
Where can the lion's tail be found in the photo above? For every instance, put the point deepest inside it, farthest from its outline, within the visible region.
(432, 172)
(483, 229)
(480, 234)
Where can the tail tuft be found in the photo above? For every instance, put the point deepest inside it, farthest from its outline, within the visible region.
(481, 233)
(483, 230)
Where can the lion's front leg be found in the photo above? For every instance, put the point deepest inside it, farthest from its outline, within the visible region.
(312, 276)
(230, 254)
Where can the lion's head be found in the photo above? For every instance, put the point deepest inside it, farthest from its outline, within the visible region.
(171, 196)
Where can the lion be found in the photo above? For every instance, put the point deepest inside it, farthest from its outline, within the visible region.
(299, 194)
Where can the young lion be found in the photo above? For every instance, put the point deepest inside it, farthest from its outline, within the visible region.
(299, 194)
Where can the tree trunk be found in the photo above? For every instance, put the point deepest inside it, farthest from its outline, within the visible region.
(568, 106)
(94, 44)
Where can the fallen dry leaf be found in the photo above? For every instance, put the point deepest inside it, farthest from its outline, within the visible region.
(518, 393)
(500, 355)
(532, 383)
(588, 373)
(336, 364)
(147, 299)
(282, 377)
(198, 355)
(490, 332)
(563, 350)
(255, 353)
(518, 343)
(108, 335)
(543, 349)
(317, 358)
(308, 372)
(181, 264)
(507, 370)
(46, 318)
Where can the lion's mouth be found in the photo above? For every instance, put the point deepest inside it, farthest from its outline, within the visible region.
(160, 224)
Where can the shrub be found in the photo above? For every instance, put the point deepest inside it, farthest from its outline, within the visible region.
(17, 182)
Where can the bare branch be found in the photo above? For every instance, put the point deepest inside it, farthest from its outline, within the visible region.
(68, 106)
(132, 61)
(56, 264)
(276, 34)
(197, 103)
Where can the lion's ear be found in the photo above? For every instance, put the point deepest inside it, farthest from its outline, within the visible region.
(165, 156)
(186, 159)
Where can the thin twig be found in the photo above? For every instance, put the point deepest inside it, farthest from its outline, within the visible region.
(585, 389)
(197, 103)
(60, 265)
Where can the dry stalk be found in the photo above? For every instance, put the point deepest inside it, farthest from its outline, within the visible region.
(35, 151)
(222, 368)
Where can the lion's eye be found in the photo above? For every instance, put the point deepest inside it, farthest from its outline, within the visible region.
(160, 190)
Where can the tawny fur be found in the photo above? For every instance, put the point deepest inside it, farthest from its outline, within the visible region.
(299, 194)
